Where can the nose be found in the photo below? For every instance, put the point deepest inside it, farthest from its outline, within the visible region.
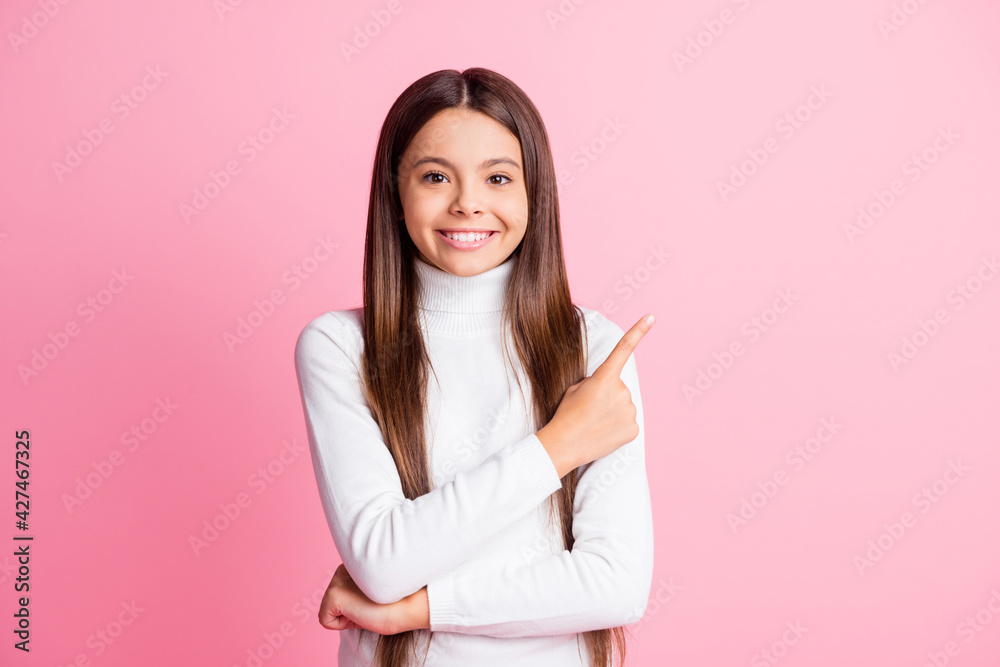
(467, 201)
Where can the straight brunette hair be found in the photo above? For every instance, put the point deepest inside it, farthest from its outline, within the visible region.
(544, 325)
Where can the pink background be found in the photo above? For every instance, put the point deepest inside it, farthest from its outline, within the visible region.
(661, 137)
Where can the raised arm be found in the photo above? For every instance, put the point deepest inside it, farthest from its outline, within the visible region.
(603, 582)
(393, 546)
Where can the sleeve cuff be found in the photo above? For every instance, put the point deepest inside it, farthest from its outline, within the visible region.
(545, 478)
(441, 601)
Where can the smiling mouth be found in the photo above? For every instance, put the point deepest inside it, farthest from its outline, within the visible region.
(467, 241)
(467, 236)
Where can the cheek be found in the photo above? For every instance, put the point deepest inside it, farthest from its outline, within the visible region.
(418, 210)
(515, 216)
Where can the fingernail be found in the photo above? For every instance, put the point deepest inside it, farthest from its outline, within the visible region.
(650, 319)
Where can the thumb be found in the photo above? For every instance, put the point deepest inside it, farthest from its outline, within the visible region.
(335, 623)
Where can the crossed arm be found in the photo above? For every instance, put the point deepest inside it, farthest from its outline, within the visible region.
(409, 553)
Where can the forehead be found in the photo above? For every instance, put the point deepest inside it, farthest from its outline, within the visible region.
(462, 130)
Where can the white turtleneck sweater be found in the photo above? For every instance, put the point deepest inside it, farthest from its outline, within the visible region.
(502, 589)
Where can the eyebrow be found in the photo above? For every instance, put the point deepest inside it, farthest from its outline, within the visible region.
(486, 163)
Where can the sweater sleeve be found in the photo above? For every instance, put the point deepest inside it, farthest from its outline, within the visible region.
(603, 582)
(392, 546)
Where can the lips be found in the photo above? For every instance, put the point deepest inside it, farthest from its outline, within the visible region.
(466, 231)
(467, 245)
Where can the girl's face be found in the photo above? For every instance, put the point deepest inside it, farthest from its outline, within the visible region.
(462, 172)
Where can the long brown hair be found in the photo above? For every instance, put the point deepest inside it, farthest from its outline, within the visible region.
(545, 326)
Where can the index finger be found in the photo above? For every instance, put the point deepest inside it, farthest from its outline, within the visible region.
(623, 350)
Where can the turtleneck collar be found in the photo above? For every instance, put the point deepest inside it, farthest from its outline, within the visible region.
(462, 305)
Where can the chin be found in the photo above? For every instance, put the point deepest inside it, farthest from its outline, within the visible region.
(468, 266)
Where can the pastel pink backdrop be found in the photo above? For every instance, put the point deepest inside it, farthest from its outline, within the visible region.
(662, 132)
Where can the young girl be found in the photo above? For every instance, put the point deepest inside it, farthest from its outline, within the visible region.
(442, 496)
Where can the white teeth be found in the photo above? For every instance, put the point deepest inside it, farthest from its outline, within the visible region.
(463, 236)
